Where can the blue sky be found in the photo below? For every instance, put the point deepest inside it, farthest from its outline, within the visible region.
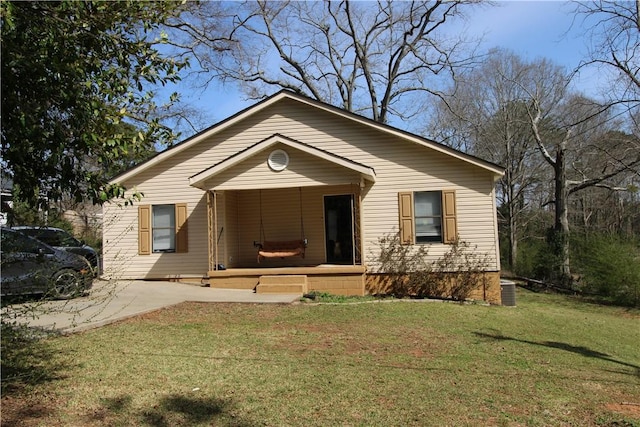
(535, 29)
(532, 29)
(540, 29)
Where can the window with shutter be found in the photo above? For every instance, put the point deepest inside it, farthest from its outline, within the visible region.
(427, 217)
(162, 228)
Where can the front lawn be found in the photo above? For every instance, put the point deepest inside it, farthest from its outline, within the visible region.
(549, 361)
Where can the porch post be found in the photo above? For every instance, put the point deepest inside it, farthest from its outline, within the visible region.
(359, 258)
(211, 227)
(355, 226)
(215, 233)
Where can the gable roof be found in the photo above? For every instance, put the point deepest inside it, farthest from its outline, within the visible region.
(198, 179)
(496, 170)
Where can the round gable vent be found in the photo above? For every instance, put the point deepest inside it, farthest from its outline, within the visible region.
(278, 160)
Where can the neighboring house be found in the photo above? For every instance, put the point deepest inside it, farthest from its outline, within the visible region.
(86, 220)
(6, 198)
(326, 182)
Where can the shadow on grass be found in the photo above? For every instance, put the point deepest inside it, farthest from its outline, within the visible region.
(581, 350)
(23, 414)
(27, 360)
(170, 410)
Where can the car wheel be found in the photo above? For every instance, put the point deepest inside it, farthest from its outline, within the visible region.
(66, 284)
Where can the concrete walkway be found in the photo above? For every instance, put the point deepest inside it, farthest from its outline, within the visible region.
(110, 301)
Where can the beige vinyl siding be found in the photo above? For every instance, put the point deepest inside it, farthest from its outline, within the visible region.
(120, 238)
(474, 199)
(303, 170)
(400, 166)
(281, 222)
(229, 229)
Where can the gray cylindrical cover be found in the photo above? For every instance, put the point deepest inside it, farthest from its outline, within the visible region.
(508, 292)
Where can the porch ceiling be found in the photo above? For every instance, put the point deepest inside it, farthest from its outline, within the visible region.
(350, 167)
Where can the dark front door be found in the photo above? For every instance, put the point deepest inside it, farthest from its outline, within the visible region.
(338, 226)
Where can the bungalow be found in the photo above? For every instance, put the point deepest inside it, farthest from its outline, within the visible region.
(292, 194)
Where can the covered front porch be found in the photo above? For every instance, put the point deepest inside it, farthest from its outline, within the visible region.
(324, 219)
(284, 211)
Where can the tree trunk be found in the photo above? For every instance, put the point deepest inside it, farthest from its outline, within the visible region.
(561, 226)
(511, 196)
(513, 222)
(513, 239)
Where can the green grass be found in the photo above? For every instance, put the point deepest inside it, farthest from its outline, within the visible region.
(326, 297)
(551, 360)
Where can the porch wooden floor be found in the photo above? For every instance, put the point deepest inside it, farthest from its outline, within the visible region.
(322, 269)
(335, 279)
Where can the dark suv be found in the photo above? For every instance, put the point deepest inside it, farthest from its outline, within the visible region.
(61, 239)
(28, 266)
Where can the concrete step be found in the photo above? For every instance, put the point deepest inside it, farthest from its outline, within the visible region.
(282, 284)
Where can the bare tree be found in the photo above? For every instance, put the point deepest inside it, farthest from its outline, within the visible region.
(487, 116)
(614, 34)
(581, 124)
(511, 110)
(377, 59)
(611, 208)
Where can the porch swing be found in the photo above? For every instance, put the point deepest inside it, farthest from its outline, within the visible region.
(281, 248)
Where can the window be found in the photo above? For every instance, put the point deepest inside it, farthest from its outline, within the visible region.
(162, 228)
(427, 217)
(14, 242)
(52, 237)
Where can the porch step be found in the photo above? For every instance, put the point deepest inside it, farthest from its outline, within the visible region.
(282, 284)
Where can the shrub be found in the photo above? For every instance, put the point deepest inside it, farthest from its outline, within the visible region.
(405, 270)
(538, 259)
(609, 267)
(528, 254)
(463, 268)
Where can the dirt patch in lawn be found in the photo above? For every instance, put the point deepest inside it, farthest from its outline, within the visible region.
(26, 411)
(360, 343)
(629, 409)
(202, 311)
